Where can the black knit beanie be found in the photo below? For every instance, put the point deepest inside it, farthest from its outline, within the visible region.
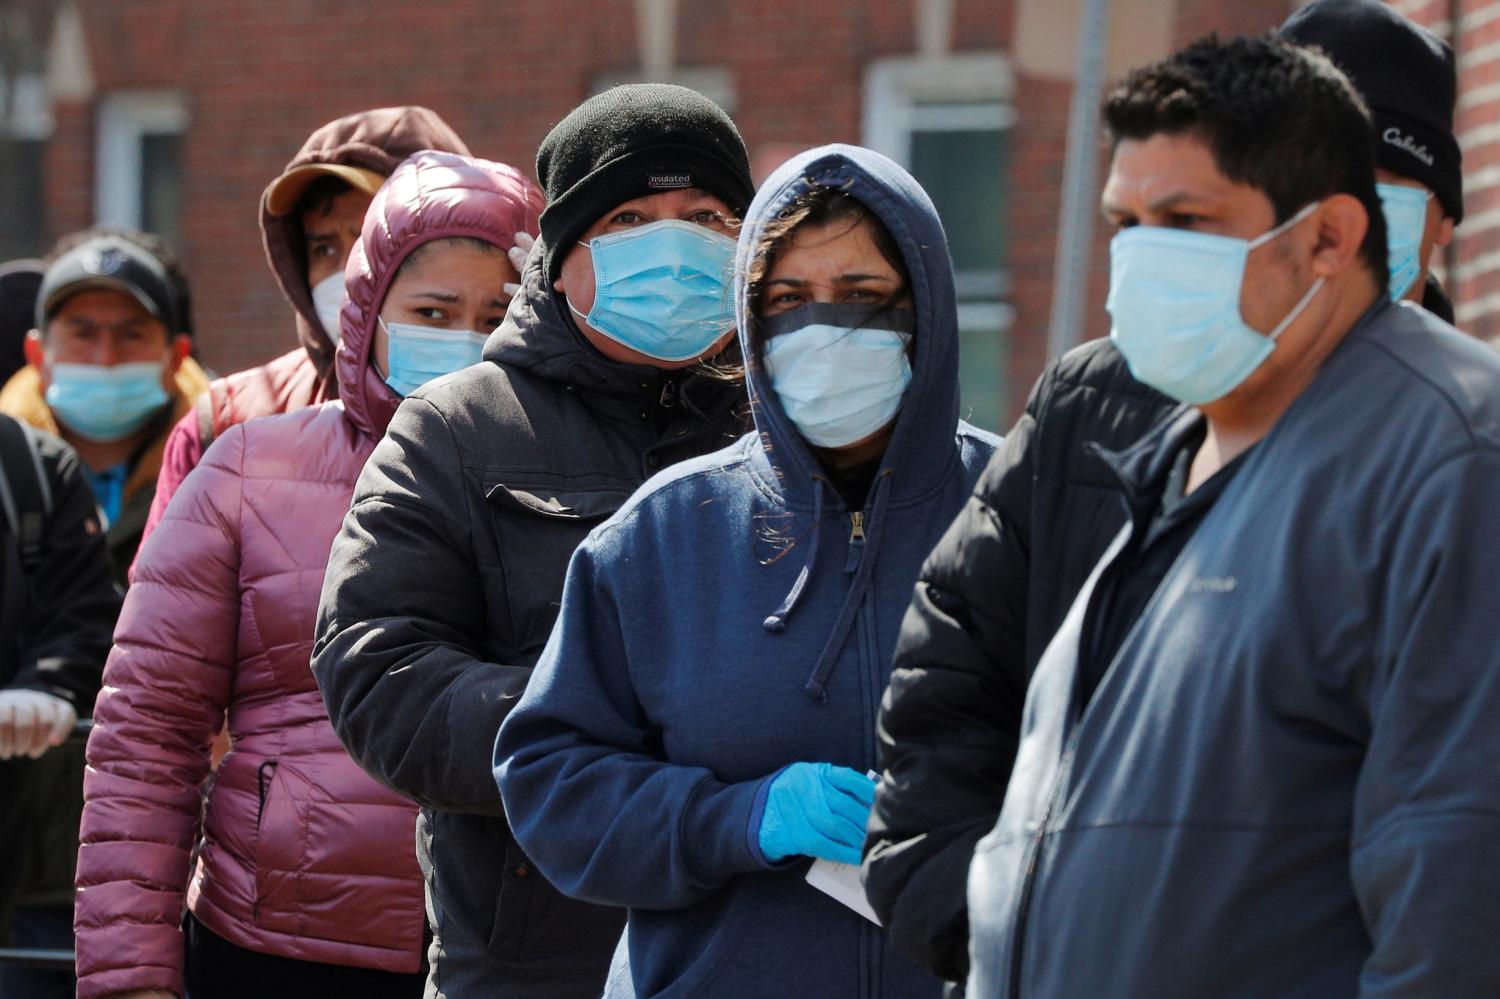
(631, 141)
(1406, 75)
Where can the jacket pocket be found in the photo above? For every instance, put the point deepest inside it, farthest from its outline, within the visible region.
(534, 919)
(280, 844)
(536, 527)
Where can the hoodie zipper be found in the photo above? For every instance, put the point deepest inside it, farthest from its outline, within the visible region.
(857, 527)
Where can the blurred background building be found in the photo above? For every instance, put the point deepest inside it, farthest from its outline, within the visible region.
(173, 115)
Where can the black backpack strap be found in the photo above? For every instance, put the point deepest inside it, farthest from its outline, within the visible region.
(204, 410)
(25, 493)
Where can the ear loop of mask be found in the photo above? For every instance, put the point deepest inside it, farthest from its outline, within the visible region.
(1317, 285)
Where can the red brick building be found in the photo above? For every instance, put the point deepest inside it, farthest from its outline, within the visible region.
(174, 114)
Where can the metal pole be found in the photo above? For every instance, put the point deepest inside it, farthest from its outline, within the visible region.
(1075, 235)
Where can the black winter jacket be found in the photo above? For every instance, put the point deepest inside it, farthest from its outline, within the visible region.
(989, 599)
(440, 594)
(55, 628)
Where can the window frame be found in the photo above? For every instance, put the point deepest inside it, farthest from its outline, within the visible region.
(125, 119)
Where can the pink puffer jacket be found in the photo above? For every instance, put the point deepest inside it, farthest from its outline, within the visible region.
(302, 855)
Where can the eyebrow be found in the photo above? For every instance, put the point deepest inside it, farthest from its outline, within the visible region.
(840, 279)
(449, 298)
(1161, 204)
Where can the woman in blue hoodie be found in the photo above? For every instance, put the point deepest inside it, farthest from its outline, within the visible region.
(703, 717)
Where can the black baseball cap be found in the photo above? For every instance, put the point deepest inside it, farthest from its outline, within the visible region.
(112, 264)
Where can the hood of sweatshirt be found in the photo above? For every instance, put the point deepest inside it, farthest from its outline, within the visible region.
(921, 446)
(431, 196)
(375, 140)
(921, 453)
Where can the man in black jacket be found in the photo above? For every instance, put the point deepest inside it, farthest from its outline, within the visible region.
(58, 605)
(997, 587)
(444, 583)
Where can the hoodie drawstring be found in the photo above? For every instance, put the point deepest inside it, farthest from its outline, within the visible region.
(816, 687)
(776, 623)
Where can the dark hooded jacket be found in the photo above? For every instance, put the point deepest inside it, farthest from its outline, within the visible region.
(375, 140)
(675, 688)
(441, 591)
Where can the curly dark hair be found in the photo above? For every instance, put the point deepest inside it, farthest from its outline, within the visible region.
(1277, 117)
(152, 244)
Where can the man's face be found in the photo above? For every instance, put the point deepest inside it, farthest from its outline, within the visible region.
(1173, 181)
(105, 327)
(329, 234)
(576, 275)
(1437, 232)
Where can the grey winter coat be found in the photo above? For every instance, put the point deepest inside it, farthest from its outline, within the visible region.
(1287, 783)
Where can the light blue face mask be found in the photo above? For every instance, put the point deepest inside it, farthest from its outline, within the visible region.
(1405, 210)
(106, 402)
(1174, 296)
(418, 354)
(662, 289)
(840, 373)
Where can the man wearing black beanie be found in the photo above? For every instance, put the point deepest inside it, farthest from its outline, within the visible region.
(446, 579)
(443, 585)
(1408, 78)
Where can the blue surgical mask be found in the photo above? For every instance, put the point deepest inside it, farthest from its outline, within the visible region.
(418, 354)
(1174, 296)
(106, 402)
(662, 289)
(1405, 210)
(840, 373)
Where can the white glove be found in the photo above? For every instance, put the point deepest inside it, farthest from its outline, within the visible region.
(32, 722)
(518, 254)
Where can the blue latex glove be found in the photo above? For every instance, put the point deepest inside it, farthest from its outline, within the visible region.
(816, 810)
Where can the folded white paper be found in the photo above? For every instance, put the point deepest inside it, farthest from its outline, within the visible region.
(841, 882)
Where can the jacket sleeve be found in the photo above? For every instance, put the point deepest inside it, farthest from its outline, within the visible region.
(1426, 824)
(73, 595)
(180, 455)
(166, 686)
(590, 801)
(402, 614)
(950, 719)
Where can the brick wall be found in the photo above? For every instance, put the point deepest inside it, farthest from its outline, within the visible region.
(1473, 260)
(259, 77)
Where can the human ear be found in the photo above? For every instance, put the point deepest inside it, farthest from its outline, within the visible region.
(35, 350)
(1342, 223)
(178, 349)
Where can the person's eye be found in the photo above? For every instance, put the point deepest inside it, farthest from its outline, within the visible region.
(863, 295)
(431, 313)
(1184, 220)
(705, 216)
(628, 218)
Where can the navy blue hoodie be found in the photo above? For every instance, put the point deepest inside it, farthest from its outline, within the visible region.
(725, 623)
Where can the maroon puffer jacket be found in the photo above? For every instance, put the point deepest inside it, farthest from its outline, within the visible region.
(302, 854)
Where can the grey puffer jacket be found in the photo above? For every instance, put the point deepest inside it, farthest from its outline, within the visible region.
(440, 594)
(1286, 783)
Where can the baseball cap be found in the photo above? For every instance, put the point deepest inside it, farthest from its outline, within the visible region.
(113, 264)
(285, 191)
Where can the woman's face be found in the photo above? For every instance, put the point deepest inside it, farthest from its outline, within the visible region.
(449, 286)
(831, 263)
(836, 263)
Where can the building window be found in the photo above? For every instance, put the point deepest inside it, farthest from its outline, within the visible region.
(139, 166)
(24, 127)
(948, 121)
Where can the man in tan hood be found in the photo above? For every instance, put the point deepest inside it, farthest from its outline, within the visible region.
(310, 217)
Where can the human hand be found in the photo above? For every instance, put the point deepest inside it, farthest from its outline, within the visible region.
(517, 255)
(31, 722)
(816, 810)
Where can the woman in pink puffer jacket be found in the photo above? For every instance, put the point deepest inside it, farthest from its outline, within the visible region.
(302, 879)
